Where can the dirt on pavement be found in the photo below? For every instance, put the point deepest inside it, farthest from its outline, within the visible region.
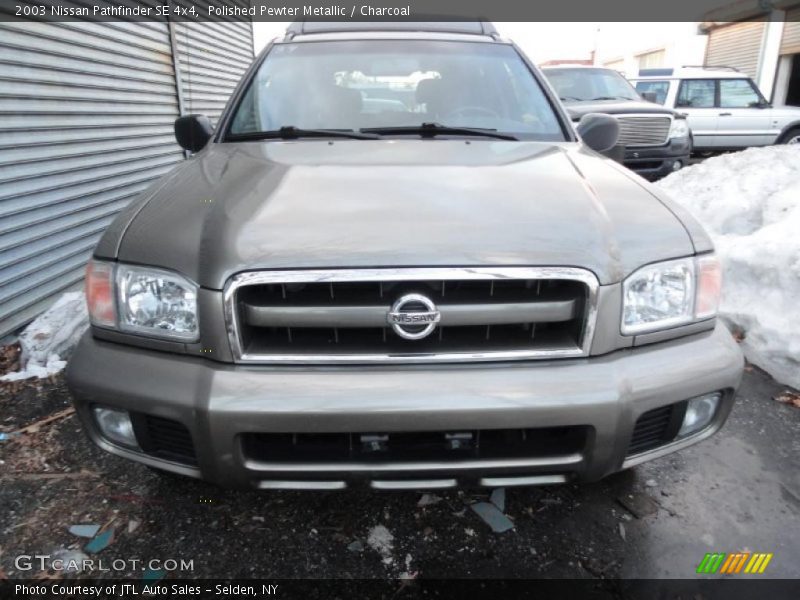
(739, 490)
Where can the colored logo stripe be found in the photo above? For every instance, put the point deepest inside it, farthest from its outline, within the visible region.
(758, 563)
(711, 562)
(720, 562)
(735, 562)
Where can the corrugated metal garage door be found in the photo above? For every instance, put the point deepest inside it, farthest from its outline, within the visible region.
(736, 45)
(86, 114)
(86, 123)
(790, 43)
(213, 57)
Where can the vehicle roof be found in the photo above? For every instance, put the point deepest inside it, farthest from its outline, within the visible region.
(709, 72)
(388, 35)
(477, 28)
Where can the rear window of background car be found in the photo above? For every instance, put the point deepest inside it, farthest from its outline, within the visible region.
(659, 88)
(696, 93)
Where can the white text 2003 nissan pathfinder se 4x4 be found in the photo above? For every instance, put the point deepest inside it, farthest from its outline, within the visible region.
(394, 263)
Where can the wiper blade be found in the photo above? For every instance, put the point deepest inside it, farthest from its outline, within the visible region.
(562, 98)
(434, 129)
(612, 98)
(290, 132)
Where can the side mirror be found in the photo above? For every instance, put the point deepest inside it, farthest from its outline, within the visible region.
(598, 131)
(193, 132)
(649, 97)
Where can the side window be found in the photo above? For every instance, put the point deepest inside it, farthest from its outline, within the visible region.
(659, 88)
(737, 93)
(696, 93)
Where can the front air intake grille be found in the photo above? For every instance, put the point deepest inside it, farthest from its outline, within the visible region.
(164, 438)
(421, 446)
(635, 131)
(411, 315)
(656, 427)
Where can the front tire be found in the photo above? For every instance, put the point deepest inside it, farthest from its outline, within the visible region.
(791, 137)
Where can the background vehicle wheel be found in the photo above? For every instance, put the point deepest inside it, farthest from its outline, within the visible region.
(791, 137)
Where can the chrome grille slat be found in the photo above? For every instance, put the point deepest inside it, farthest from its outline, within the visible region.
(375, 315)
(340, 316)
(643, 130)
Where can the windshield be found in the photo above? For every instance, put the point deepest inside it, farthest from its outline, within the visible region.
(590, 84)
(363, 84)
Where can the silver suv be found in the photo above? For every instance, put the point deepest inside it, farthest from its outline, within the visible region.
(724, 107)
(394, 263)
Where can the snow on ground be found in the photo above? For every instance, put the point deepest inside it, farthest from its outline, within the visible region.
(749, 202)
(49, 340)
(381, 540)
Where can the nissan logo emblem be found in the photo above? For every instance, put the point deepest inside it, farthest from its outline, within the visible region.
(413, 316)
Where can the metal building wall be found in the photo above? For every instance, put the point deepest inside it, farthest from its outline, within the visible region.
(86, 123)
(790, 44)
(213, 57)
(736, 45)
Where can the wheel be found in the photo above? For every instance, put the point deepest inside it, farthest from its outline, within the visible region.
(791, 137)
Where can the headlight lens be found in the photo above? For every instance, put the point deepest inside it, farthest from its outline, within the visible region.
(658, 296)
(156, 303)
(671, 293)
(679, 129)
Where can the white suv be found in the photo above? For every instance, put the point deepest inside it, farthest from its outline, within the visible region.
(724, 107)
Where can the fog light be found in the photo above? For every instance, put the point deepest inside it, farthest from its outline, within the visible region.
(677, 165)
(116, 425)
(699, 412)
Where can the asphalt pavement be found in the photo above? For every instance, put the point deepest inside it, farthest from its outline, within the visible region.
(738, 491)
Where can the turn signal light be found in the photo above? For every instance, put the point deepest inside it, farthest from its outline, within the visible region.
(100, 294)
(709, 286)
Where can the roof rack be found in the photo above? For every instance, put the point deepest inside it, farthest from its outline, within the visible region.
(465, 27)
(712, 68)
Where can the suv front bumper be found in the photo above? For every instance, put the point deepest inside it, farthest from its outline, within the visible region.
(653, 163)
(218, 403)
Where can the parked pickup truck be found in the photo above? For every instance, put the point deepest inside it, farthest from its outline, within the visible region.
(654, 141)
(724, 107)
(462, 292)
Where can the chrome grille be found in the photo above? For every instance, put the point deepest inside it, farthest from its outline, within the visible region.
(643, 130)
(342, 316)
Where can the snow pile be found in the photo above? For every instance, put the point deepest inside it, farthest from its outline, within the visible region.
(749, 202)
(49, 340)
(381, 540)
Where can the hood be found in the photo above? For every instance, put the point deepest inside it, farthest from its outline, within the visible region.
(614, 107)
(350, 203)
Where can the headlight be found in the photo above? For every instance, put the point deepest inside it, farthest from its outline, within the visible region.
(679, 129)
(141, 300)
(157, 303)
(671, 293)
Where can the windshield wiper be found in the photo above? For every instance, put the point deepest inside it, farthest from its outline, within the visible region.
(562, 98)
(434, 129)
(291, 132)
(612, 98)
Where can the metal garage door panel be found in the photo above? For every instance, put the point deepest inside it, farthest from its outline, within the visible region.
(790, 43)
(736, 45)
(212, 59)
(86, 113)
